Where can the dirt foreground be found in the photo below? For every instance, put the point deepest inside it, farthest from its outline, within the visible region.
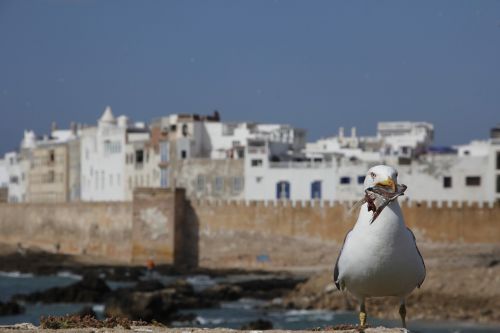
(28, 328)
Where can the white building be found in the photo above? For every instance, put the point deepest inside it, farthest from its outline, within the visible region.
(216, 161)
(103, 159)
(405, 138)
(206, 137)
(16, 166)
(142, 160)
(334, 168)
(4, 176)
(117, 157)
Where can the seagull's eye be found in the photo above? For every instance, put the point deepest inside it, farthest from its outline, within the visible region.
(373, 175)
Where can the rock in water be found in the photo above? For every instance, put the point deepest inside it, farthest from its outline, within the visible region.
(259, 324)
(10, 308)
(90, 289)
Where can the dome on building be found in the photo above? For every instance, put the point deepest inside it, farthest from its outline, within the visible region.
(107, 116)
(29, 139)
(122, 121)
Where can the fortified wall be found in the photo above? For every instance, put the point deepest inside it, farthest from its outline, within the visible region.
(164, 225)
(150, 226)
(330, 221)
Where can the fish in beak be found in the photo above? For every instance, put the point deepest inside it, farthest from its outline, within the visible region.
(388, 183)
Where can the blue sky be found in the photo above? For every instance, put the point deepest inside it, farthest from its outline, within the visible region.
(313, 64)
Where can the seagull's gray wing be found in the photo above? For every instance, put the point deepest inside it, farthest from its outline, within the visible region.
(421, 258)
(336, 269)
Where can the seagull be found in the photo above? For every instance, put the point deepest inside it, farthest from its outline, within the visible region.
(380, 255)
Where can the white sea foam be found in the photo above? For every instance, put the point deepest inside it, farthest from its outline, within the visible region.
(209, 321)
(66, 274)
(98, 308)
(16, 274)
(200, 282)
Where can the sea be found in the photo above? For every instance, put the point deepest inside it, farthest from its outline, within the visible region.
(229, 314)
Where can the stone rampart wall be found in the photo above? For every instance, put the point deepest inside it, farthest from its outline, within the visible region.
(101, 229)
(164, 225)
(438, 222)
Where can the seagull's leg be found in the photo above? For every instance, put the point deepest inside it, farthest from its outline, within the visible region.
(402, 312)
(362, 313)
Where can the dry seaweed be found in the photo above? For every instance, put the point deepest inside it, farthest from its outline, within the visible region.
(75, 321)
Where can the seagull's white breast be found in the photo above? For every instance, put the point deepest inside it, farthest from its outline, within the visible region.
(380, 259)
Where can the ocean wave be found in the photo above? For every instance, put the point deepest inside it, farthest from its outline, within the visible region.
(98, 308)
(200, 282)
(243, 303)
(16, 274)
(66, 274)
(209, 321)
(304, 315)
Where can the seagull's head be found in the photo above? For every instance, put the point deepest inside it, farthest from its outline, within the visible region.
(382, 175)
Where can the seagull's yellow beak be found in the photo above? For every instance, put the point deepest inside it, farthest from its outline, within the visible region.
(388, 183)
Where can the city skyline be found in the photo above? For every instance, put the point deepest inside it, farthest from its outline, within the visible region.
(317, 66)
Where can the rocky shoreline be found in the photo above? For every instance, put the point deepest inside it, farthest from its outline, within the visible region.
(462, 283)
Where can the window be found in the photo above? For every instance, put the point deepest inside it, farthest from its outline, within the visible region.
(164, 178)
(185, 131)
(316, 190)
(447, 182)
(173, 128)
(473, 181)
(498, 160)
(51, 177)
(111, 147)
(183, 154)
(14, 180)
(256, 163)
(164, 147)
(237, 184)
(404, 161)
(200, 183)
(219, 184)
(345, 180)
(52, 156)
(283, 190)
(498, 183)
(361, 179)
(466, 152)
(139, 156)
